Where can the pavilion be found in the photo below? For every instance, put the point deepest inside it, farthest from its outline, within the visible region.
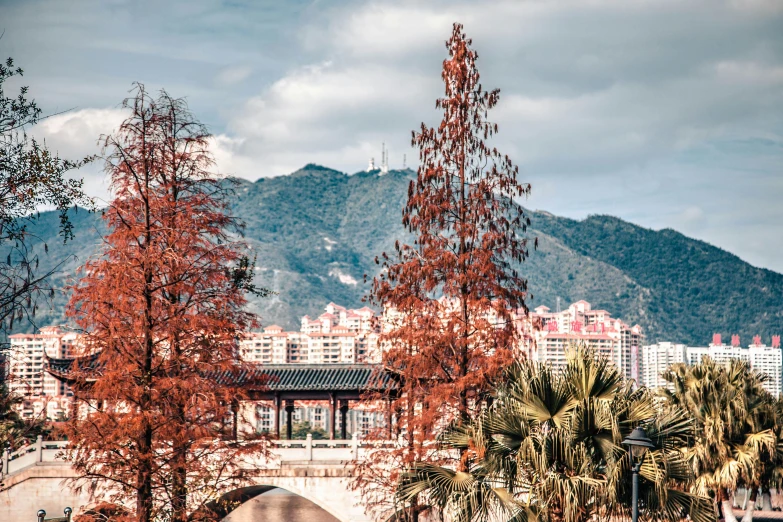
(282, 384)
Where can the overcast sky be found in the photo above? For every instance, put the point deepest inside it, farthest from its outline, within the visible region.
(665, 113)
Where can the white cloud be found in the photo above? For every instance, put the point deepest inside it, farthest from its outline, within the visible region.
(640, 108)
(692, 215)
(749, 73)
(233, 75)
(75, 135)
(324, 113)
(381, 30)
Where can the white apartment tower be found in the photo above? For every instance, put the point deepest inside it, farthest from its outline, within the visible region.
(657, 358)
(339, 335)
(26, 376)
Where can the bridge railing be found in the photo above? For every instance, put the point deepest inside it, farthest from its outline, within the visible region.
(284, 452)
(309, 449)
(30, 454)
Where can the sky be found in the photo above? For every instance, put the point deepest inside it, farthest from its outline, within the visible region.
(665, 113)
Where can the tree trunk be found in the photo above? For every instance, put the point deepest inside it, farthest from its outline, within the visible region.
(179, 487)
(728, 512)
(750, 503)
(144, 480)
(144, 499)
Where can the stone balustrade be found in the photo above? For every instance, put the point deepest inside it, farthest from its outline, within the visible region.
(37, 476)
(283, 451)
(31, 454)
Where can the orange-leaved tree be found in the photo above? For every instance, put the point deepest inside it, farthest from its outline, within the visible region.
(162, 307)
(452, 299)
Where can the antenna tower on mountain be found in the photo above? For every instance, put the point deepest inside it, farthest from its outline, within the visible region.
(384, 159)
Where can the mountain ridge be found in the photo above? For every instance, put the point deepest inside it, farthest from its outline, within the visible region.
(316, 233)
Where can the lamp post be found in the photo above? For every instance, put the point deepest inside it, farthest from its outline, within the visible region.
(638, 444)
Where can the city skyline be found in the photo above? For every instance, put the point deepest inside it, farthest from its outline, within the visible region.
(342, 335)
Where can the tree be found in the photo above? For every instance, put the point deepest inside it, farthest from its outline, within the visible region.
(300, 430)
(550, 449)
(31, 177)
(452, 297)
(737, 432)
(162, 312)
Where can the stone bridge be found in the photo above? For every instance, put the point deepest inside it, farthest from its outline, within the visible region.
(36, 477)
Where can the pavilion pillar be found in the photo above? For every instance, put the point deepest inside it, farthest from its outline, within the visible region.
(289, 412)
(277, 416)
(344, 419)
(333, 414)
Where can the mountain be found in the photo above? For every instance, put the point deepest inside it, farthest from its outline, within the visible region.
(317, 232)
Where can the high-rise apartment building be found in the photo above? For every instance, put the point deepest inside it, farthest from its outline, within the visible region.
(26, 376)
(339, 335)
(657, 358)
(554, 332)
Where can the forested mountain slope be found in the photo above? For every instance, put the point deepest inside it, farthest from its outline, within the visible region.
(317, 231)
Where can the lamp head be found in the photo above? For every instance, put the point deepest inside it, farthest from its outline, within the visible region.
(638, 444)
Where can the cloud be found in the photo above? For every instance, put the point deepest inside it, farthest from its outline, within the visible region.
(75, 135)
(692, 215)
(233, 75)
(330, 114)
(639, 108)
(615, 84)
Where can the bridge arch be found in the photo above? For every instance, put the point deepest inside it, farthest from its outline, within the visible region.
(332, 494)
(263, 496)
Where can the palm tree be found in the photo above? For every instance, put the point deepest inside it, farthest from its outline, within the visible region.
(549, 449)
(737, 433)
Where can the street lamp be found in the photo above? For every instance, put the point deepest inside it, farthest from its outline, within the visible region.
(638, 444)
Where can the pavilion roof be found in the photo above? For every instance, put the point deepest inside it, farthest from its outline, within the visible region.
(268, 377)
(313, 377)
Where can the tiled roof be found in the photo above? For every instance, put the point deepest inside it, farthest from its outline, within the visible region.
(63, 368)
(316, 377)
(272, 377)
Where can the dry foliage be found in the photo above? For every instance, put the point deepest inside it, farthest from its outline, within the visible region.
(163, 307)
(452, 297)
